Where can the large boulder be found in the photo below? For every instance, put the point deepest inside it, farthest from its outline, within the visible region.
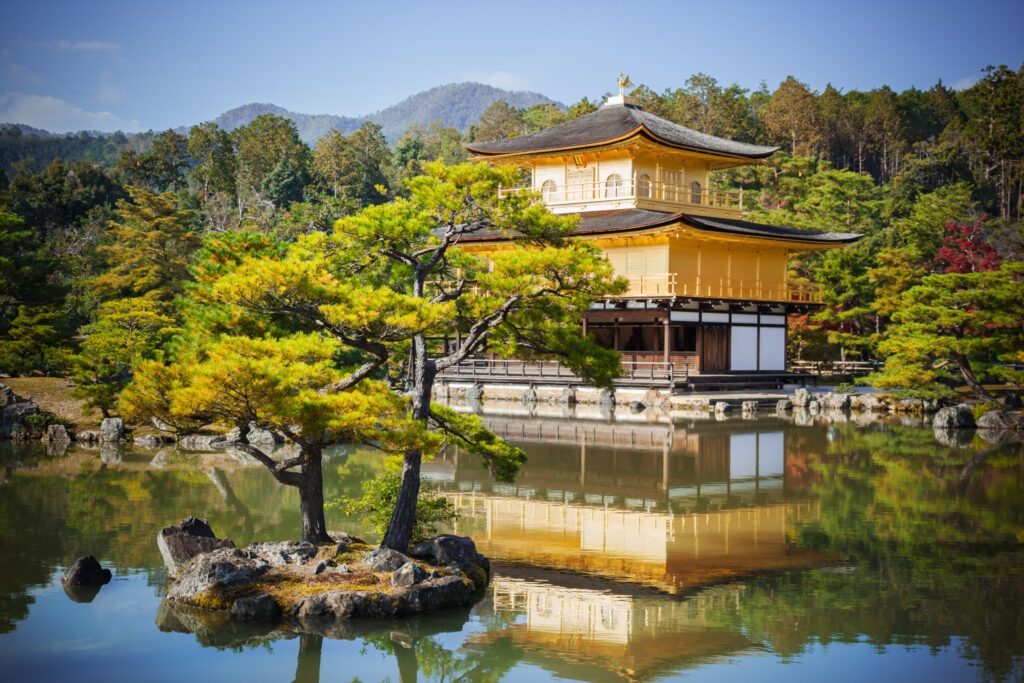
(835, 401)
(86, 571)
(783, 405)
(276, 553)
(458, 552)
(749, 406)
(152, 440)
(56, 434)
(384, 559)
(1002, 419)
(953, 417)
(313, 611)
(721, 407)
(183, 541)
(12, 417)
(111, 430)
(801, 397)
(208, 579)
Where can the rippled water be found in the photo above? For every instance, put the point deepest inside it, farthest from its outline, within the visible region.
(736, 550)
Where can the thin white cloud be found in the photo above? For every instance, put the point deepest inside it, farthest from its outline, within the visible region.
(966, 82)
(57, 116)
(81, 46)
(19, 73)
(500, 79)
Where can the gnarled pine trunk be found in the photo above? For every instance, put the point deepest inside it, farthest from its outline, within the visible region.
(403, 520)
(311, 501)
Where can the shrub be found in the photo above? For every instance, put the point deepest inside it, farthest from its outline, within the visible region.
(377, 504)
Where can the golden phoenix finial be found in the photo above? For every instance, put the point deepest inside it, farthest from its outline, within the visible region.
(624, 83)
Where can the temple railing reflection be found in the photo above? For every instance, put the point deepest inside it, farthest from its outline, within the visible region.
(660, 505)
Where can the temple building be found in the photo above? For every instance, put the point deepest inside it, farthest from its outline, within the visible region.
(709, 292)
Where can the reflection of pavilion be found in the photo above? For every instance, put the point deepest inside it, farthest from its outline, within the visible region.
(591, 634)
(655, 504)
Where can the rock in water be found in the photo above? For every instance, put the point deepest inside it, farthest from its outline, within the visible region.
(56, 434)
(111, 429)
(721, 408)
(749, 406)
(86, 571)
(385, 559)
(207, 578)
(407, 575)
(260, 607)
(801, 397)
(953, 417)
(783, 405)
(1001, 419)
(180, 543)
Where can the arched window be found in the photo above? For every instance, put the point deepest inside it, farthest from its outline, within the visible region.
(695, 192)
(613, 186)
(547, 190)
(643, 186)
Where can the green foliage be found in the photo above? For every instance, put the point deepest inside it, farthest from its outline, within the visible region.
(950, 327)
(126, 332)
(377, 504)
(35, 426)
(32, 344)
(151, 244)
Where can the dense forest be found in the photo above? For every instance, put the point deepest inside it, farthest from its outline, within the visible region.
(96, 254)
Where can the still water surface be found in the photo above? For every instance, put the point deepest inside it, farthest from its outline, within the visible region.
(703, 551)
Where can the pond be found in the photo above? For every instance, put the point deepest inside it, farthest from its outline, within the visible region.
(630, 550)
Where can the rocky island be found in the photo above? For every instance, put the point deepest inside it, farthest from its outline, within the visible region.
(305, 587)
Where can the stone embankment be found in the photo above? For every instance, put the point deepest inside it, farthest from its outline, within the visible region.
(300, 585)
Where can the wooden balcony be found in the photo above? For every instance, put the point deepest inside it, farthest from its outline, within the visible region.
(668, 285)
(634, 193)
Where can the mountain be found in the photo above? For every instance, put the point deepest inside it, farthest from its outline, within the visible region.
(457, 104)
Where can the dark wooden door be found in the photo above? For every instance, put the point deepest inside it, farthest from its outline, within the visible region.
(715, 348)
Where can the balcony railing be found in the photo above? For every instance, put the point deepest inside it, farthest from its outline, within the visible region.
(614, 191)
(549, 371)
(666, 284)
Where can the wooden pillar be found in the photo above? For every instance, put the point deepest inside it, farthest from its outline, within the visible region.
(700, 346)
(584, 325)
(668, 332)
(615, 335)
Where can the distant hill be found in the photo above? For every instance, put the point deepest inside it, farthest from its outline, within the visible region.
(457, 104)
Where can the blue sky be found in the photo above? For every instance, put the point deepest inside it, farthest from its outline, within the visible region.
(141, 65)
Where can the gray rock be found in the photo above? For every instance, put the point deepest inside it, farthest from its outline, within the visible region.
(1012, 401)
(801, 397)
(88, 436)
(835, 401)
(86, 571)
(313, 611)
(867, 403)
(277, 553)
(111, 429)
(1002, 419)
(953, 417)
(813, 407)
(475, 392)
(567, 396)
(214, 573)
(56, 434)
(606, 398)
(202, 442)
(408, 574)
(12, 417)
(384, 559)
(343, 569)
(458, 552)
(7, 396)
(342, 538)
(749, 406)
(721, 407)
(637, 407)
(183, 541)
(260, 607)
(783, 405)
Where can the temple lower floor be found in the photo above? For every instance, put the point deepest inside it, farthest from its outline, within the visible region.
(701, 336)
